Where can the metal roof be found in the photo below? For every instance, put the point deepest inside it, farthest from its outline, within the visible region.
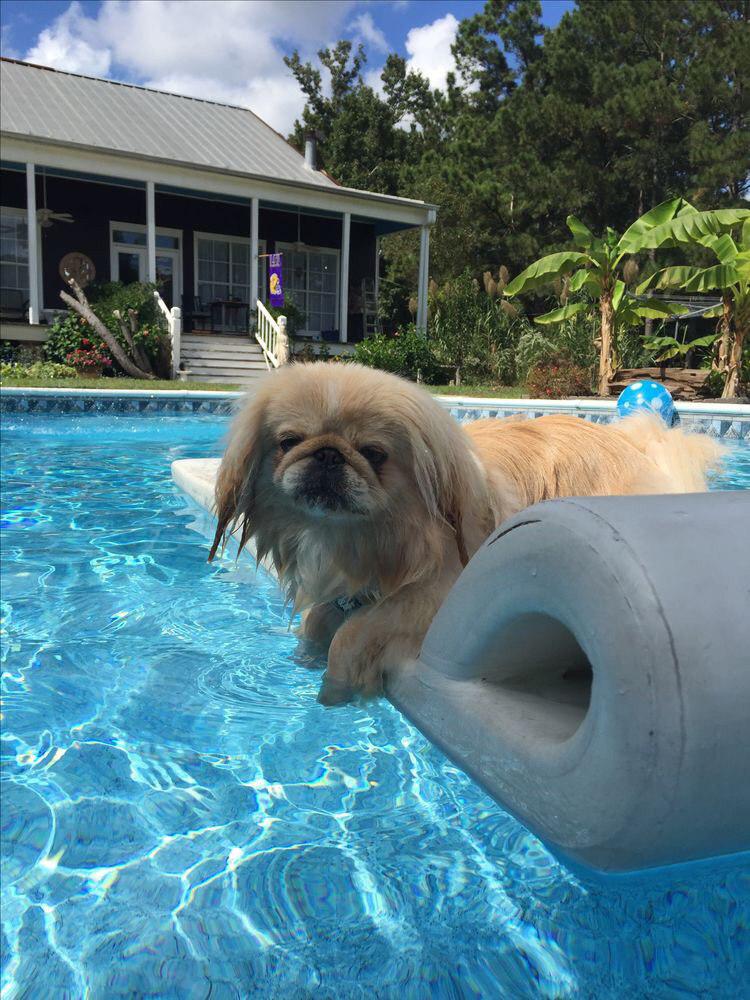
(42, 103)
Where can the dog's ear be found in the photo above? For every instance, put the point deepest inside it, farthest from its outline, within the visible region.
(445, 471)
(237, 479)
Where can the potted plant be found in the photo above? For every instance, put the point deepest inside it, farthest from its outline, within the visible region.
(88, 360)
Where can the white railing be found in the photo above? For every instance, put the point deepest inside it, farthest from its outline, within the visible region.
(272, 337)
(174, 325)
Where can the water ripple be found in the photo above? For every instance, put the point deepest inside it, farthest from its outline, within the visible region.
(182, 819)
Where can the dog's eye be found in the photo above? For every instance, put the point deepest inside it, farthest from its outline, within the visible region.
(290, 441)
(375, 456)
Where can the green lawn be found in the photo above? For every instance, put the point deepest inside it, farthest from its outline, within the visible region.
(495, 391)
(117, 383)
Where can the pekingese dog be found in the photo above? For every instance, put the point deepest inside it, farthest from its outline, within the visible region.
(361, 487)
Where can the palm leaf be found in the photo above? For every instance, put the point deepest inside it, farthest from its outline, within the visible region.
(704, 341)
(710, 278)
(669, 277)
(714, 312)
(724, 247)
(688, 227)
(657, 309)
(565, 312)
(657, 216)
(545, 270)
(582, 235)
(585, 279)
(617, 294)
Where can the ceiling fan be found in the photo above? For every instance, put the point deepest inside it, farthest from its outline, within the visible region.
(47, 216)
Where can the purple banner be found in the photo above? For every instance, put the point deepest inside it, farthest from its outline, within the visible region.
(275, 286)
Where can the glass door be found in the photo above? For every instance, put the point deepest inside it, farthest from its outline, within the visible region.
(168, 276)
(130, 265)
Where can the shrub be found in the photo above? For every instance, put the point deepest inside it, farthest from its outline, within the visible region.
(295, 318)
(408, 353)
(21, 354)
(455, 318)
(572, 340)
(69, 330)
(88, 356)
(305, 352)
(557, 378)
(113, 297)
(39, 369)
(66, 334)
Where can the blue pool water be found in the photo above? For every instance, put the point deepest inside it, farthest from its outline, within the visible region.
(181, 819)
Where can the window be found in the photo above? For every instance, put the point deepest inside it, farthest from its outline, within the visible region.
(14, 253)
(311, 281)
(137, 237)
(222, 268)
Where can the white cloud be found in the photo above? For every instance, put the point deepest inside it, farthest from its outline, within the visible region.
(372, 78)
(367, 31)
(429, 49)
(224, 50)
(69, 44)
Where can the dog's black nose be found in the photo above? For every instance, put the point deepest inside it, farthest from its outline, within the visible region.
(329, 456)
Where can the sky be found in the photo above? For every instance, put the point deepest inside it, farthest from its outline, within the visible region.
(232, 50)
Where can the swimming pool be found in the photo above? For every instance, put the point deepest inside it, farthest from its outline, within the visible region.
(182, 819)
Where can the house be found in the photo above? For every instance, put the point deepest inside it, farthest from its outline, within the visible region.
(141, 185)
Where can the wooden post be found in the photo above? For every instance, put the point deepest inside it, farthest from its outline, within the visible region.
(424, 270)
(344, 279)
(151, 231)
(377, 270)
(175, 326)
(282, 351)
(33, 248)
(253, 256)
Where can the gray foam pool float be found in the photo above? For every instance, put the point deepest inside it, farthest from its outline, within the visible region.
(591, 670)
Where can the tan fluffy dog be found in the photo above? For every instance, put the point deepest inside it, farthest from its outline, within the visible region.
(359, 484)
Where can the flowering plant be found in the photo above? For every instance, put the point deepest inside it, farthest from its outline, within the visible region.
(558, 378)
(88, 356)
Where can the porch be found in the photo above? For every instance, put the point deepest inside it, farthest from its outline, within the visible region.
(206, 250)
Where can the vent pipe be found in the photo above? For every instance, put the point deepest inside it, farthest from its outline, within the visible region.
(311, 151)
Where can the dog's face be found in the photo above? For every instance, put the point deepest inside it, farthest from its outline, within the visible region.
(356, 456)
(337, 458)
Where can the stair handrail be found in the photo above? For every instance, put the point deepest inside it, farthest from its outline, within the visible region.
(272, 336)
(173, 317)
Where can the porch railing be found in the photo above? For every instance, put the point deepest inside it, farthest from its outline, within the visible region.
(272, 337)
(173, 317)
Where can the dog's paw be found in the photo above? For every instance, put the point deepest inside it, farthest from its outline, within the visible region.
(320, 623)
(334, 693)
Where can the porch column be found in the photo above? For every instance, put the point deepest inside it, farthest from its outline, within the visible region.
(377, 269)
(151, 230)
(31, 233)
(346, 228)
(424, 271)
(253, 254)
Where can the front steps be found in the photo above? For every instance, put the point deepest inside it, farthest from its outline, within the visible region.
(220, 358)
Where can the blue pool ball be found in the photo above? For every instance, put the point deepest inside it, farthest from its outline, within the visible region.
(648, 396)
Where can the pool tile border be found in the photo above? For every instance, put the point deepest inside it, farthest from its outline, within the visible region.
(731, 421)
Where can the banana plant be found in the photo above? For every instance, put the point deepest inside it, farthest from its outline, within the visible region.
(596, 268)
(671, 347)
(730, 276)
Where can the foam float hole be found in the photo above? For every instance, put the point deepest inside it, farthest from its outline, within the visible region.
(544, 673)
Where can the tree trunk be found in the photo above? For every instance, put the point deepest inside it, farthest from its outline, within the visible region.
(605, 351)
(82, 307)
(734, 366)
(722, 348)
